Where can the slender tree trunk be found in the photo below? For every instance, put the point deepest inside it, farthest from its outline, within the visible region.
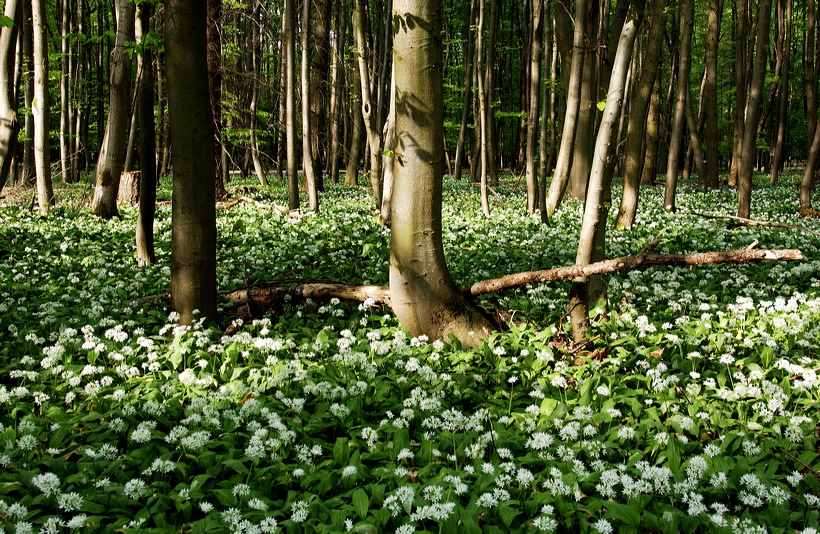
(694, 138)
(422, 292)
(65, 98)
(255, 90)
(653, 136)
(811, 69)
(634, 151)
(112, 155)
(807, 183)
(585, 132)
(131, 146)
(741, 80)
(28, 173)
(593, 229)
(356, 137)
(484, 120)
(337, 80)
(368, 106)
(467, 96)
(753, 104)
(532, 117)
(9, 125)
(193, 231)
(547, 113)
(710, 179)
(307, 135)
(214, 35)
(148, 162)
(560, 178)
(783, 111)
(40, 107)
(290, 102)
(489, 92)
(320, 69)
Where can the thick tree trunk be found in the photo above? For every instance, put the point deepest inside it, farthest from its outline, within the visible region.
(596, 206)
(533, 112)
(710, 179)
(560, 178)
(148, 162)
(639, 110)
(290, 102)
(753, 104)
(193, 232)
(320, 69)
(111, 161)
(40, 108)
(467, 96)
(785, 17)
(307, 136)
(9, 125)
(422, 292)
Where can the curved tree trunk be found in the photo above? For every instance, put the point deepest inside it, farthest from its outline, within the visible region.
(112, 154)
(638, 112)
(40, 107)
(753, 110)
(9, 125)
(423, 294)
(215, 21)
(596, 207)
(193, 227)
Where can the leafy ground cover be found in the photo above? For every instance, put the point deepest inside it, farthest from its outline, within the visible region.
(696, 412)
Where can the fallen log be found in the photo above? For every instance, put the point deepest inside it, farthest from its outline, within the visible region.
(276, 294)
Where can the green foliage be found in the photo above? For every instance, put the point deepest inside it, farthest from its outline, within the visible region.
(695, 411)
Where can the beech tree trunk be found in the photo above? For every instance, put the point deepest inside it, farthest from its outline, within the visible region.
(290, 102)
(369, 112)
(9, 125)
(533, 112)
(423, 294)
(484, 120)
(66, 123)
(193, 227)
(147, 143)
(785, 19)
(593, 229)
(320, 69)
(636, 138)
(467, 96)
(214, 35)
(111, 161)
(40, 108)
(741, 82)
(337, 76)
(307, 136)
(753, 105)
(710, 179)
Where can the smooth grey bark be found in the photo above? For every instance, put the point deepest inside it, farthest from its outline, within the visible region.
(147, 142)
(357, 135)
(193, 227)
(484, 121)
(489, 91)
(634, 150)
(290, 102)
(28, 173)
(111, 160)
(653, 136)
(307, 135)
(40, 107)
(9, 124)
(547, 117)
(710, 94)
(467, 96)
(753, 110)
(785, 19)
(560, 178)
(583, 296)
(369, 113)
(533, 113)
(66, 124)
(337, 77)
(422, 292)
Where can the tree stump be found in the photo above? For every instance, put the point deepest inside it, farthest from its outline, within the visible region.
(129, 191)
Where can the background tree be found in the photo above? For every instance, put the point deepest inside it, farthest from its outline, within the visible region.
(9, 124)
(40, 107)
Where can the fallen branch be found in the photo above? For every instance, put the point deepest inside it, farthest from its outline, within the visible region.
(751, 222)
(268, 296)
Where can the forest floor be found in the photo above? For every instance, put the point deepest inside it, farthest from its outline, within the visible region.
(695, 410)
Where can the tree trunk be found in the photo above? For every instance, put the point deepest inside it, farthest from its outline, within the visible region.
(653, 136)
(40, 107)
(147, 150)
(585, 132)
(467, 96)
(337, 77)
(596, 206)
(484, 120)
(193, 232)
(489, 92)
(307, 135)
(320, 69)
(710, 179)
(214, 35)
(253, 127)
(9, 125)
(356, 137)
(753, 104)
(532, 116)
(785, 19)
(547, 116)
(639, 110)
(111, 161)
(423, 294)
(368, 107)
(807, 183)
(560, 178)
(65, 98)
(290, 102)
(741, 79)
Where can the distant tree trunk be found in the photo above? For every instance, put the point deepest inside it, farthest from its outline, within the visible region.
(489, 91)
(9, 125)
(811, 70)
(147, 150)
(290, 102)
(40, 107)
(214, 34)
(337, 77)
(753, 105)
(368, 106)
(111, 161)
(307, 136)
(532, 117)
(467, 96)
(28, 173)
(653, 136)
(634, 151)
(320, 67)
(785, 19)
(741, 78)
(484, 120)
(66, 123)
(710, 179)
(560, 178)
(694, 139)
(356, 137)
(253, 127)
(807, 183)
(422, 292)
(676, 140)
(547, 116)
(193, 232)
(583, 296)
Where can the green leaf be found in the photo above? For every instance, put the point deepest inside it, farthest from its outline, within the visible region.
(341, 452)
(508, 515)
(361, 502)
(6, 22)
(623, 512)
(469, 521)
